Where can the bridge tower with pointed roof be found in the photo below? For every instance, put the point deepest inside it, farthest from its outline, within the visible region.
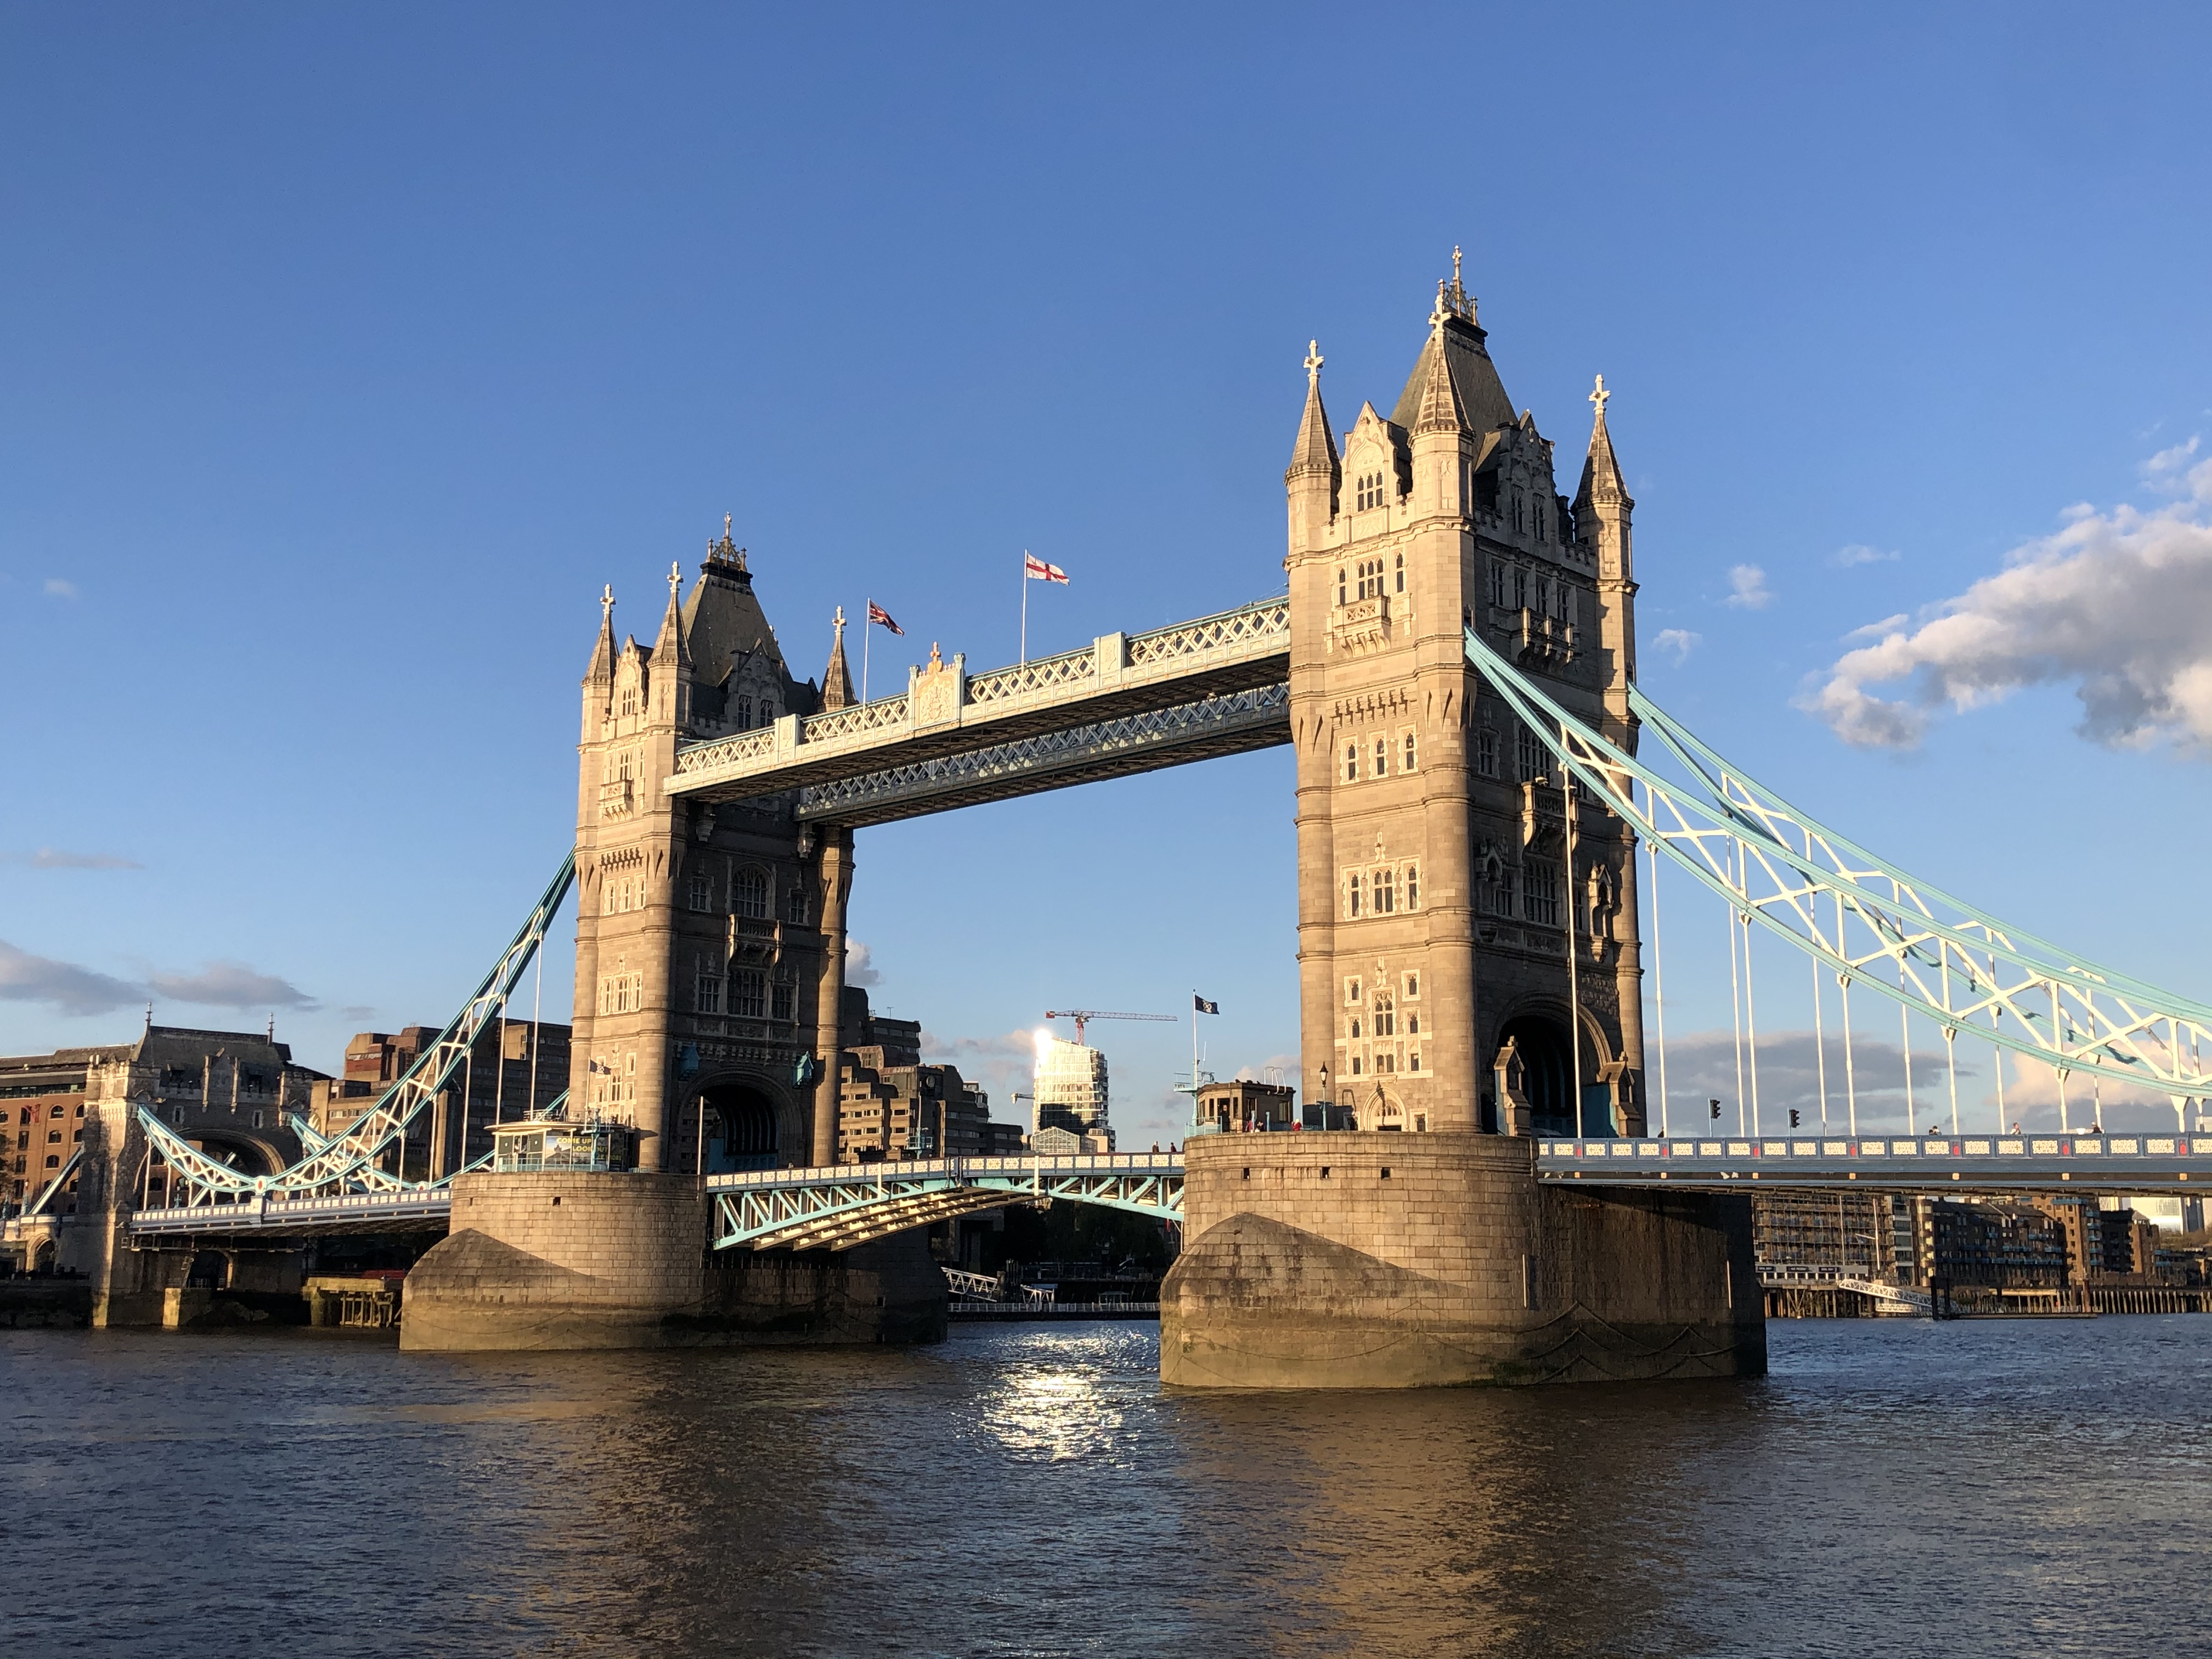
(1455, 928)
(709, 939)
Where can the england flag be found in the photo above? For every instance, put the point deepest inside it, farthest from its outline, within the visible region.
(1038, 571)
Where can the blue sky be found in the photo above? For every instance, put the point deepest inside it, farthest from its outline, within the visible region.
(346, 351)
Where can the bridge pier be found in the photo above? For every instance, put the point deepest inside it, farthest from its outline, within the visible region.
(566, 1261)
(1378, 1260)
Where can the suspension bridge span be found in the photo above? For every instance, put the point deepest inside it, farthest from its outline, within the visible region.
(1493, 1190)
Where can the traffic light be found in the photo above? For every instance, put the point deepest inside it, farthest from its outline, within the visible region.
(1715, 1105)
(1793, 1117)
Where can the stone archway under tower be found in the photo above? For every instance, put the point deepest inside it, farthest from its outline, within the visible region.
(1535, 1076)
(737, 1122)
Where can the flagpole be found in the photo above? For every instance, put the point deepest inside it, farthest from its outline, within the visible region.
(867, 628)
(1025, 609)
(1194, 1057)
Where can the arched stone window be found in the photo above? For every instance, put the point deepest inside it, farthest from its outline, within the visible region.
(749, 893)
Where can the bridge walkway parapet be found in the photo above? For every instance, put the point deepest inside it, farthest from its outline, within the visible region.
(2120, 1164)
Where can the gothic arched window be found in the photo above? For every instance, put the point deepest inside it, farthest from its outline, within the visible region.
(749, 893)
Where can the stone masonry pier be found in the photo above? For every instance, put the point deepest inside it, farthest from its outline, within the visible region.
(1380, 1259)
(562, 1260)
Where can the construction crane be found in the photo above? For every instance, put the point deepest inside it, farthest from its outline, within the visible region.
(1083, 1016)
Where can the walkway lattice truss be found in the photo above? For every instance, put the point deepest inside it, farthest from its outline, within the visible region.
(347, 1162)
(1054, 760)
(1868, 922)
(839, 1207)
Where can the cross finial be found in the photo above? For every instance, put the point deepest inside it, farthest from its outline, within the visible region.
(606, 604)
(838, 622)
(1455, 265)
(726, 526)
(1314, 361)
(1599, 396)
(1443, 308)
(675, 578)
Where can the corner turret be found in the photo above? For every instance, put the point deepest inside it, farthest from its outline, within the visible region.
(1314, 473)
(1603, 508)
(837, 678)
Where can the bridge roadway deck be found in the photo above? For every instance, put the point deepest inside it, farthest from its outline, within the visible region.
(839, 1206)
(1128, 702)
(409, 1210)
(845, 1204)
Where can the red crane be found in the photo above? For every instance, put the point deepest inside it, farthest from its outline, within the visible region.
(1083, 1016)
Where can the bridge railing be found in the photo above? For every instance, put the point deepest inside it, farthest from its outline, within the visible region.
(270, 1212)
(2109, 1162)
(949, 1168)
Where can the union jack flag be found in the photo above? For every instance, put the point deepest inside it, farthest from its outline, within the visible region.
(1038, 571)
(882, 618)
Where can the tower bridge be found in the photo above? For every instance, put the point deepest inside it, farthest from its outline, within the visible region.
(1474, 768)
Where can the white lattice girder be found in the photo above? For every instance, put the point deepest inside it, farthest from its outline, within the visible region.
(1235, 722)
(1868, 920)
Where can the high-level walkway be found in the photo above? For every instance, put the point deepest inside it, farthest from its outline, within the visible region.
(1126, 703)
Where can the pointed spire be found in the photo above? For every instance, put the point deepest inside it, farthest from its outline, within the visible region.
(602, 668)
(837, 679)
(1316, 447)
(669, 647)
(1602, 480)
(1439, 408)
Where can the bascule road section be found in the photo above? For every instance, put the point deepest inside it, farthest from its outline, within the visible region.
(845, 1205)
(1126, 703)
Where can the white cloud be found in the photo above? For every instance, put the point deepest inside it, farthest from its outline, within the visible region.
(63, 986)
(56, 588)
(1858, 554)
(1749, 588)
(1680, 641)
(859, 967)
(2168, 470)
(55, 858)
(230, 985)
(1880, 630)
(2117, 605)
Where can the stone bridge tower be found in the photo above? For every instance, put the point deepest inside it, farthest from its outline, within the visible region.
(1468, 958)
(709, 968)
(1469, 975)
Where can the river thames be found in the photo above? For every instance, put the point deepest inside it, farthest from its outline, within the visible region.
(1892, 1487)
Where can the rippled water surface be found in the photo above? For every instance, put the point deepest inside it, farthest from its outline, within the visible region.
(1893, 1488)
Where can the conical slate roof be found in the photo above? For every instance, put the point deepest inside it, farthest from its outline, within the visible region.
(1315, 450)
(668, 648)
(601, 669)
(1482, 400)
(723, 622)
(837, 678)
(1602, 479)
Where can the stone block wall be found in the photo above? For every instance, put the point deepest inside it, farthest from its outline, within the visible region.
(542, 1261)
(1394, 1261)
